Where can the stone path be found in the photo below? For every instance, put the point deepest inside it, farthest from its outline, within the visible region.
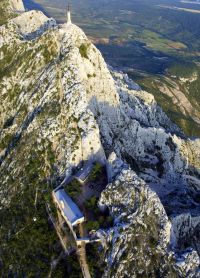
(82, 253)
(82, 259)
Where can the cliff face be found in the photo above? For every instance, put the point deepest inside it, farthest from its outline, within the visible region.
(60, 105)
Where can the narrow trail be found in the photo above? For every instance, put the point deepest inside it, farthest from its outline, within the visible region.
(81, 252)
(80, 248)
(82, 259)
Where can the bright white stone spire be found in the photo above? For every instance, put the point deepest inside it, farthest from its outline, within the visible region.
(68, 14)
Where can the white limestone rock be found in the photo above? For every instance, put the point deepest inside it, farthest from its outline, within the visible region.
(17, 5)
(141, 226)
(33, 23)
(188, 264)
(187, 229)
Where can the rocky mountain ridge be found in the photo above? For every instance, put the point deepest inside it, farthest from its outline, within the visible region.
(62, 105)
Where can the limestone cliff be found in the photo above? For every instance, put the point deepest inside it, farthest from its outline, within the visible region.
(60, 104)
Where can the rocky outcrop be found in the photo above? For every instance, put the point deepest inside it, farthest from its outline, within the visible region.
(60, 105)
(144, 242)
(132, 247)
(17, 5)
(187, 229)
(33, 23)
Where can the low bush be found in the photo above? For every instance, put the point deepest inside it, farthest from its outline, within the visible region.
(73, 189)
(96, 172)
(83, 51)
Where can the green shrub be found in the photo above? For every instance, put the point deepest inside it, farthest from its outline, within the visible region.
(73, 189)
(8, 122)
(91, 203)
(92, 225)
(83, 51)
(6, 140)
(96, 172)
